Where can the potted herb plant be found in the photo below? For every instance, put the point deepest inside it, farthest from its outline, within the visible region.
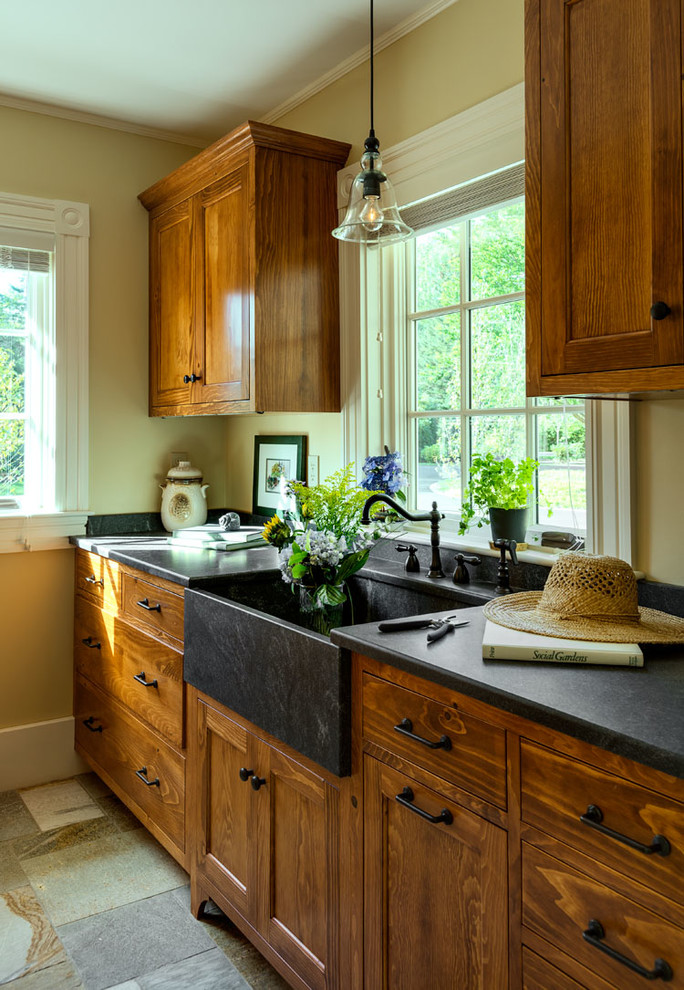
(499, 490)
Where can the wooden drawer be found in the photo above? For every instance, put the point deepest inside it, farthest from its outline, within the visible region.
(152, 607)
(118, 658)
(538, 974)
(557, 790)
(559, 903)
(133, 756)
(473, 756)
(98, 579)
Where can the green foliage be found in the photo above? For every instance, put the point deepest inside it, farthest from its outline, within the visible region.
(12, 388)
(335, 505)
(496, 484)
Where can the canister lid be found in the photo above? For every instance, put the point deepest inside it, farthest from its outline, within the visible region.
(184, 471)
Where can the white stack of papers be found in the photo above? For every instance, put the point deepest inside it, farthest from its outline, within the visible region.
(501, 643)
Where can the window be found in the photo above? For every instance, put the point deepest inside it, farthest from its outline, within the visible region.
(27, 401)
(466, 369)
(43, 371)
(436, 170)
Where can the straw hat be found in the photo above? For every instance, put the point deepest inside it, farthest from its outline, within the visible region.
(587, 597)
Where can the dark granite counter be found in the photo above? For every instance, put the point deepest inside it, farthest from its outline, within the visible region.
(634, 712)
(188, 567)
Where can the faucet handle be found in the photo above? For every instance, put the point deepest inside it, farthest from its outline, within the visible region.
(504, 545)
(461, 574)
(412, 563)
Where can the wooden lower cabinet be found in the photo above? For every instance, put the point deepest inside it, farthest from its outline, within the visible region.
(436, 893)
(265, 838)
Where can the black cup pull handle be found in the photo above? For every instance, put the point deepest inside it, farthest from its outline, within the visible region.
(145, 603)
(88, 641)
(594, 935)
(142, 775)
(93, 580)
(406, 799)
(405, 727)
(245, 774)
(88, 722)
(257, 782)
(659, 310)
(140, 678)
(593, 817)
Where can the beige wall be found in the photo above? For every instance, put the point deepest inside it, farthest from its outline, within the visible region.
(659, 483)
(46, 156)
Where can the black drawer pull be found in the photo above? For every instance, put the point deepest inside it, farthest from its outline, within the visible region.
(140, 678)
(88, 722)
(245, 774)
(88, 641)
(406, 799)
(93, 580)
(594, 935)
(405, 727)
(593, 817)
(142, 775)
(145, 603)
(257, 782)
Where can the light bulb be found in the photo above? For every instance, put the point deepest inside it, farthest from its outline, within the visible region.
(371, 215)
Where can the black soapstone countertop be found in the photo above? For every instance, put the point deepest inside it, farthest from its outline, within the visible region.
(634, 712)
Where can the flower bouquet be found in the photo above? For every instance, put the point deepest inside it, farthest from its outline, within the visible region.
(322, 543)
(384, 473)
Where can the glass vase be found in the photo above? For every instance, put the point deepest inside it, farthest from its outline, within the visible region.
(319, 618)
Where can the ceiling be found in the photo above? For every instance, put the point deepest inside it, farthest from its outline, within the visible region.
(191, 68)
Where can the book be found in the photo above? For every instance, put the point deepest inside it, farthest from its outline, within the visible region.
(212, 533)
(501, 643)
(215, 544)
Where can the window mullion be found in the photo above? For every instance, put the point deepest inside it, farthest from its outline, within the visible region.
(465, 353)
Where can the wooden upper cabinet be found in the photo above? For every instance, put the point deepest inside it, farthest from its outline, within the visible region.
(604, 196)
(244, 305)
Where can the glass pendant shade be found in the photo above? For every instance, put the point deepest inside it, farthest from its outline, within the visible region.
(372, 214)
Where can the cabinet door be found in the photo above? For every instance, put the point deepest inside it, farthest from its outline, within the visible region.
(435, 893)
(298, 864)
(172, 286)
(225, 849)
(605, 167)
(224, 298)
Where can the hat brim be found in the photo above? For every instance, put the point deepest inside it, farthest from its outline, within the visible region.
(519, 611)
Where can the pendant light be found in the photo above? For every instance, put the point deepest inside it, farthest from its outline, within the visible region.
(372, 214)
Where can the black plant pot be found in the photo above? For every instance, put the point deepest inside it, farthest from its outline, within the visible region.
(508, 524)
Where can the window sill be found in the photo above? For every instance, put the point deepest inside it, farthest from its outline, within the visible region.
(20, 531)
(546, 556)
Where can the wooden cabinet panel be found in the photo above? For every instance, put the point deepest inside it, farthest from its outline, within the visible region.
(435, 894)
(119, 658)
(227, 808)
(476, 755)
(146, 769)
(98, 579)
(557, 790)
(223, 349)
(152, 607)
(559, 903)
(172, 285)
(538, 974)
(299, 876)
(604, 198)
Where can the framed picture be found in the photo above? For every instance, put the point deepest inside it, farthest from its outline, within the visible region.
(275, 459)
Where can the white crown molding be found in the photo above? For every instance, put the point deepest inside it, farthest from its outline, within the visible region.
(97, 120)
(358, 58)
(59, 216)
(480, 140)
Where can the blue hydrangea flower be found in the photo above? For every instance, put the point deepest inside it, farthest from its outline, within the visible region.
(383, 473)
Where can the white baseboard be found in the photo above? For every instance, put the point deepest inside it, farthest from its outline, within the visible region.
(38, 753)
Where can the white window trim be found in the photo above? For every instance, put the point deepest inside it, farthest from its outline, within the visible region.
(477, 142)
(69, 222)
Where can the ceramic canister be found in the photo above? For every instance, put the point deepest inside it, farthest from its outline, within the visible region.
(184, 499)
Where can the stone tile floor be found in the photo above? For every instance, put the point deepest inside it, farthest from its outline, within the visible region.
(90, 901)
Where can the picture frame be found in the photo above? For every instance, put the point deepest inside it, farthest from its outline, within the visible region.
(274, 457)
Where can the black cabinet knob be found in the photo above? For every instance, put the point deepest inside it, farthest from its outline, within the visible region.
(191, 378)
(245, 774)
(257, 782)
(659, 310)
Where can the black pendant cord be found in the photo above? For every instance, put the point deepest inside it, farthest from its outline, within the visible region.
(372, 129)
